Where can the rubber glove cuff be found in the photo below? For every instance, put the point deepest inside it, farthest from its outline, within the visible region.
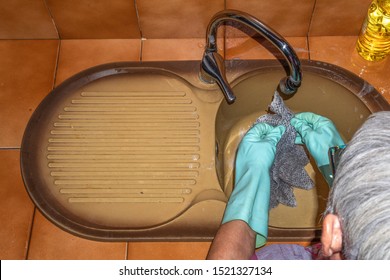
(251, 205)
(249, 200)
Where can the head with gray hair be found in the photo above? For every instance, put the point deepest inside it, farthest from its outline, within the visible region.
(360, 195)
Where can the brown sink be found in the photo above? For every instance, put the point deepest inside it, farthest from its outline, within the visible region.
(145, 151)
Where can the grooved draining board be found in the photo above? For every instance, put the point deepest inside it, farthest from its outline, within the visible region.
(126, 156)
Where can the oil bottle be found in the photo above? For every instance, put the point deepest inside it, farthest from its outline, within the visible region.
(374, 39)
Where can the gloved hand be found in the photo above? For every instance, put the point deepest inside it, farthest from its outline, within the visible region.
(318, 134)
(249, 200)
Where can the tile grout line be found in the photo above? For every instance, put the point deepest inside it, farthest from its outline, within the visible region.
(224, 36)
(309, 28)
(28, 39)
(52, 19)
(127, 250)
(140, 30)
(57, 63)
(138, 19)
(9, 148)
(141, 49)
(30, 233)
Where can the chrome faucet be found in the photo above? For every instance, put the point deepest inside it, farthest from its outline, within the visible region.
(212, 65)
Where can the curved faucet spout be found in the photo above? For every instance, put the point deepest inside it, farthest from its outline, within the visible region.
(212, 66)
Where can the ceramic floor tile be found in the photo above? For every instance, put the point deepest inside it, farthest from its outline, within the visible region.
(341, 51)
(16, 210)
(285, 16)
(168, 250)
(174, 49)
(250, 48)
(78, 55)
(26, 19)
(338, 18)
(173, 19)
(26, 76)
(95, 19)
(48, 242)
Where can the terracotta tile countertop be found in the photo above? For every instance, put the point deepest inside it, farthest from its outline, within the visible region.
(341, 51)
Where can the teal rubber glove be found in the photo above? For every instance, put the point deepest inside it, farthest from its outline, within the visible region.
(318, 134)
(249, 200)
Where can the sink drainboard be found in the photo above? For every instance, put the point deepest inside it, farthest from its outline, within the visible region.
(120, 157)
(125, 147)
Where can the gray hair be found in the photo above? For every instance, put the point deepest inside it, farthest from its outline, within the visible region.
(360, 195)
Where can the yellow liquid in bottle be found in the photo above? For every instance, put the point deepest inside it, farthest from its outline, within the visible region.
(374, 39)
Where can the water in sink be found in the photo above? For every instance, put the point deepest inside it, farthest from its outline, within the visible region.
(317, 94)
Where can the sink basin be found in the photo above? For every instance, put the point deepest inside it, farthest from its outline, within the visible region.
(327, 90)
(145, 151)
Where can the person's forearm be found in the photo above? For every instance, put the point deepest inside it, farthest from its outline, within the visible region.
(235, 240)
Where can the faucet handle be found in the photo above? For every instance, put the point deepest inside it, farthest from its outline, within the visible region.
(213, 70)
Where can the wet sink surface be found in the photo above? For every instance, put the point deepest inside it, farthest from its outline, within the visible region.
(127, 151)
